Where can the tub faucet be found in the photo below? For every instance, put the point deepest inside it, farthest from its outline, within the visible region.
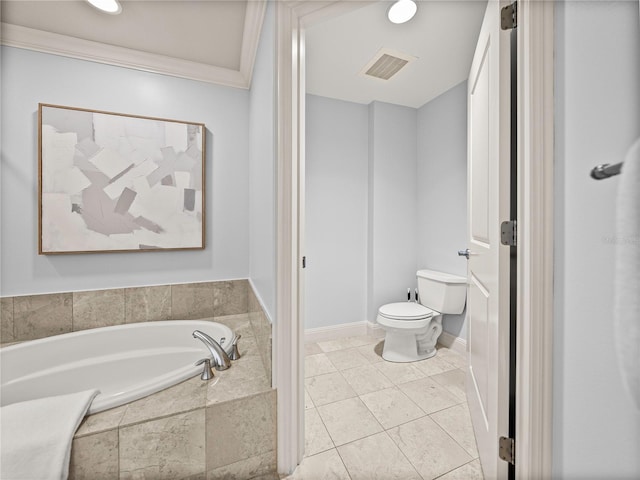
(221, 360)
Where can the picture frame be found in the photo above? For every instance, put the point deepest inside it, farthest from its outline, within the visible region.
(114, 182)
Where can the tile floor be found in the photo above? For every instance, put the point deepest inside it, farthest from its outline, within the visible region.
(368, 419)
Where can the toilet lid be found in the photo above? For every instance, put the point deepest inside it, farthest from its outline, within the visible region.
(405, 310)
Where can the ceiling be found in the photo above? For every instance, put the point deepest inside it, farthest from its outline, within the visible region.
(442, 36)
(216, 41)
(209, 40)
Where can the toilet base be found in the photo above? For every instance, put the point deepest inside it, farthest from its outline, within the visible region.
(403, 346)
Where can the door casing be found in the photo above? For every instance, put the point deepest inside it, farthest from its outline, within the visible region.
(535, 233)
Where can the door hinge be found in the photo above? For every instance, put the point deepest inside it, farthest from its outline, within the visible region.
(304, 262)
(509, 233)
(509, 17)
(507, 449)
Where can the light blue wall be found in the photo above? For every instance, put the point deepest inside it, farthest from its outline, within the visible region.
(596, 429)
(29, 78)
(336, 212)
(442, 189)
(386, 196)
(393, 221)
(262, 201)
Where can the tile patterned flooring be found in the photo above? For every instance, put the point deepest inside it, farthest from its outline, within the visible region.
(367, 419)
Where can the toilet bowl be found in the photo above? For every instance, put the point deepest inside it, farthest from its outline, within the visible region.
(412, 329)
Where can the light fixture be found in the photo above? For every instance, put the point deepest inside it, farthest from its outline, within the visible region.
(402, 11)
(112, 7)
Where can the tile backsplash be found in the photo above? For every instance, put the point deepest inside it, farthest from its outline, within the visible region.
(37, 316)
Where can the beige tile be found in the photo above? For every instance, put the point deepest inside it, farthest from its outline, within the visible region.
(317, 365)
(470, 471)
(308, 403)
(456, 421)
(454, 358)
(316, 437)
(245, 368)
(100, 308)
(240, 429)
(434, 366)
(312, 348)
(102, 421)
(230, 298)
(324, 466)
(376, 458)
(146, 304)
(253, 468)
(431, 451)
(344, 343)
(6, 320)
(260, 323)
(372, 352)
(183, 397)
(167, 448)
(95, 457)
(345, 359)
(391, 407)
(328, 388)
(366, 378)
(348, 420)
(224, 388)
(399, 372)
(239, 324)
(192, 301)
(38, 316)
(253, 304)
(429, 395)
(454, 381)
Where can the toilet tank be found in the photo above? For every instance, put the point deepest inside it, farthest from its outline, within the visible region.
(442, 292)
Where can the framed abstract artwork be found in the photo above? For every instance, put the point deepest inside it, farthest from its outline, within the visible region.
(111, 182)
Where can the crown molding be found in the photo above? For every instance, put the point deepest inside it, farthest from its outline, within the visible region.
(66, 46)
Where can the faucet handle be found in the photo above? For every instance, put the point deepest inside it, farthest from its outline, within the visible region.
(207, 373)
(235, 354)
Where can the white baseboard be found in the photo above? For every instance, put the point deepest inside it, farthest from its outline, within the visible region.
(456, 344)
(322, 334)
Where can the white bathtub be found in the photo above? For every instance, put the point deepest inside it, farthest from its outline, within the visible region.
(125, 362)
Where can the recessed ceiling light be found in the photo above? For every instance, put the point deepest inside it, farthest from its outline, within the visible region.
(402, 11)
(112, 7)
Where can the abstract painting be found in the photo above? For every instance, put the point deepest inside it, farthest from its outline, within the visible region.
(112, 182)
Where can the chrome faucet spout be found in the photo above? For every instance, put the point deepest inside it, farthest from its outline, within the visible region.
(221, 360)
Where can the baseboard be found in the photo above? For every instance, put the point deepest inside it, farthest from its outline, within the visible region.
(456, 344)
(322, 334)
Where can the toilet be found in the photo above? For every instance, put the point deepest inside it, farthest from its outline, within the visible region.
(412, 329)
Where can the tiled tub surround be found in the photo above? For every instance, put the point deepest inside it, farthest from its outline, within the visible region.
(224, 428)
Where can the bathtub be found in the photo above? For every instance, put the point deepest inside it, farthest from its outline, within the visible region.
(124, 362)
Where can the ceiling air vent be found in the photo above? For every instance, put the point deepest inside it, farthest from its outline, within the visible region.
(386, 64)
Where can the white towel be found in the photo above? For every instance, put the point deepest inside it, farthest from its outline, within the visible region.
(37, 434)
(627, 274)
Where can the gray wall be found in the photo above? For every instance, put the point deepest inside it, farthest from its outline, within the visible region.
(262, 202)
(392, 215)
(442, 189)
(29, 78)
(596, 431)
(386, 195)
(336, 212)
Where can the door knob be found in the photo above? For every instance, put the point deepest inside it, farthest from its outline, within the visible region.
(464, 253)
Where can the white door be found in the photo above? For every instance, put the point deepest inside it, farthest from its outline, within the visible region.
(488, 264)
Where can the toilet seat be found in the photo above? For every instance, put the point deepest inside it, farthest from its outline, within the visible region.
(405, 315)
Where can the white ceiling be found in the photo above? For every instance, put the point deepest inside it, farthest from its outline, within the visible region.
(216, 41)
(442, 36)
(209, 40)
(209, 32)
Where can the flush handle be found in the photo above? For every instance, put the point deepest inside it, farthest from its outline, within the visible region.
(464, 253)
